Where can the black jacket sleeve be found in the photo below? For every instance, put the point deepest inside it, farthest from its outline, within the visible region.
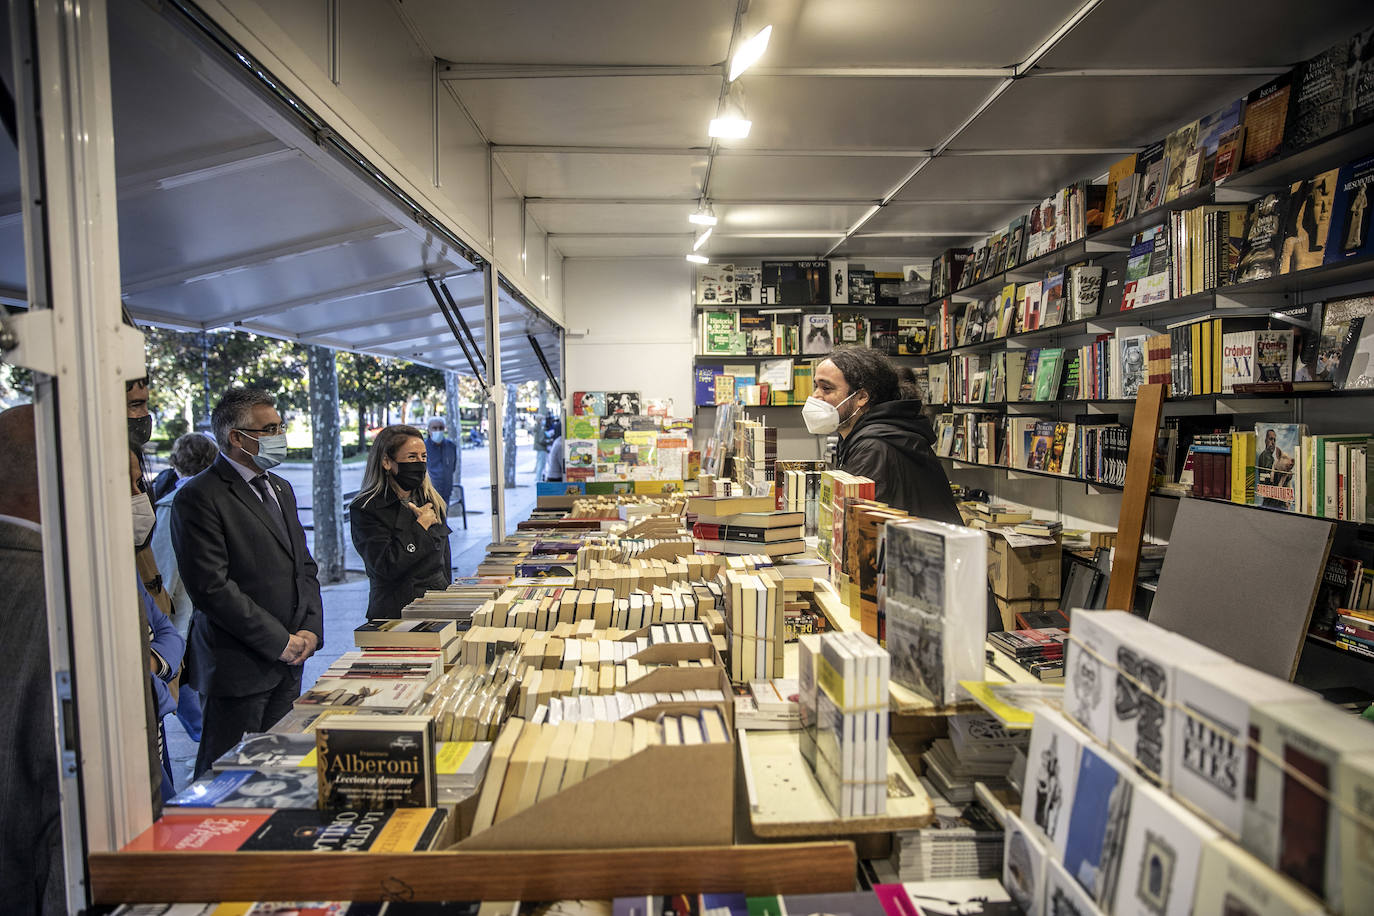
(199, 539)
(392, 551)
(914, 483)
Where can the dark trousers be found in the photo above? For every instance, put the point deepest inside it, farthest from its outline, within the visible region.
(228, 719)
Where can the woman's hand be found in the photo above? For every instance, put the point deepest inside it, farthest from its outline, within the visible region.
(425, 515)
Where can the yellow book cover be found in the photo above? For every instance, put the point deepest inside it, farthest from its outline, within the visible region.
(1195, 364)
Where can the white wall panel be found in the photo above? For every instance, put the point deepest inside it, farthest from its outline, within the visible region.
(638, 321)
(307, 22)
(505, 202)
(463, 165)
(536, 273)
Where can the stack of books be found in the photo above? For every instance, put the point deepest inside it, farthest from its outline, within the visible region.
(773, 534)
(297, 830)
(844, 679)
(836, 487)
(458, 601)
(964, 842)
(754, 619)
(533, 762)
(769, 705)
(934, 585)
(1041, 652)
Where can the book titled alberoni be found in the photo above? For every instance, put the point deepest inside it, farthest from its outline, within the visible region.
(309, 830)
(376, 761)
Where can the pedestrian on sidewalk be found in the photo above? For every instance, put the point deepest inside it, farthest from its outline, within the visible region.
(397, 522)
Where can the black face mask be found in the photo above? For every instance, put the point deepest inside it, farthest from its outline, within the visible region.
(409, 475)
(140, 431)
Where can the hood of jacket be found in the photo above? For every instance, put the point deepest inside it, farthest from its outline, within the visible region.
(899, 423)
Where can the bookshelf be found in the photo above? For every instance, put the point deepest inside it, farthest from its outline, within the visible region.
(1082, 503)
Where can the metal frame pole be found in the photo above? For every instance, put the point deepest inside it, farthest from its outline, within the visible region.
(496, 394)
(82, 352)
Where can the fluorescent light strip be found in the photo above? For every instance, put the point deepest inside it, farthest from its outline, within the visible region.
(749, 53)
(698, 259)
(701, 239)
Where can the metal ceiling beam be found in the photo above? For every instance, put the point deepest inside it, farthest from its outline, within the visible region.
(840, 153)
(456, 71)
(449, 70)
(193, 273)
(770, 202)
(1024, 67)
(400, 280)
(394, 316)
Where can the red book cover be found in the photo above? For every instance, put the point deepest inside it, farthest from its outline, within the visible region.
(198, 832)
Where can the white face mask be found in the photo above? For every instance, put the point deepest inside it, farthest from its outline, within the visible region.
(821, 417)
(144, 518)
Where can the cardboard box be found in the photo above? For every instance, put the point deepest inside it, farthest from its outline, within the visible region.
(1010, 607)
(1023, 572)
(682, 795)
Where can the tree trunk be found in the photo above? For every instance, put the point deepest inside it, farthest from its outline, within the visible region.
(453, 419)
(508, 435)
(327, 495)
(362, 427)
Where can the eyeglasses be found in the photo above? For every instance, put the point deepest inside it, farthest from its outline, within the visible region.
(269, 430)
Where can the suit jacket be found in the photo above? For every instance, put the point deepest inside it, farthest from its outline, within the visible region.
(402, 559)
(251, 588)
(31, 829)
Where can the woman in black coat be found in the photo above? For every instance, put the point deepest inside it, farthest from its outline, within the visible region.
(397, 522)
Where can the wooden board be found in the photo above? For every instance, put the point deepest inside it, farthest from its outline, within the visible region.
(1243, 581)
(1135, 497)
(190, 877)
(791, 804)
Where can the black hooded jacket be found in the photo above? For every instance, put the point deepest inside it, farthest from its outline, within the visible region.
(891, 443)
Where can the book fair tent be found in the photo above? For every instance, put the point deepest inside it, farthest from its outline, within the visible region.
(522, 191)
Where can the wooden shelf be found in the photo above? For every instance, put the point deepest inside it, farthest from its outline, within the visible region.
(960, 463)
(791, 804)
(190, 877)
(1327, 643)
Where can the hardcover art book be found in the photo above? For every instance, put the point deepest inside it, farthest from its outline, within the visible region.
(1347, 342)
(591, 403)
(817, 336)
(1278, 464)
(1317, 97)
(935, 596)
(250, 789)
(1349, 234)
(368, 762)
(716, 284)
(1266, 114)
(1023, 866)
(1051, 777)
(1097, 823)
(1161, 856)
(1308, 222)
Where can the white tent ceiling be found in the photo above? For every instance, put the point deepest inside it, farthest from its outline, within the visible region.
(850, 102)
(232, 216)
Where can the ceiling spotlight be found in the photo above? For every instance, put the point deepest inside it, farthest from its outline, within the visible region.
(705, 216)
(698, 259)
(749, 53)
(730, 122)
(701, 239)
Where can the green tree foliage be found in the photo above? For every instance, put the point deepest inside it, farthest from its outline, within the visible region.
(185, 366)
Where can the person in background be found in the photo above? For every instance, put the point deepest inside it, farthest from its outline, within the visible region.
(553, 469)
(242, 555)
(31, 876)
(397, 522)
(191, 454)
(140, 422)
(441, 455)
(541, 445)
(883, 435)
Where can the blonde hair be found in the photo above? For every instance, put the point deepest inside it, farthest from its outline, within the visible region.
(375, 480)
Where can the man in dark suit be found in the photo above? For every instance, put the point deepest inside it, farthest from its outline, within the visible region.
(31, 877)
(243, 558)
